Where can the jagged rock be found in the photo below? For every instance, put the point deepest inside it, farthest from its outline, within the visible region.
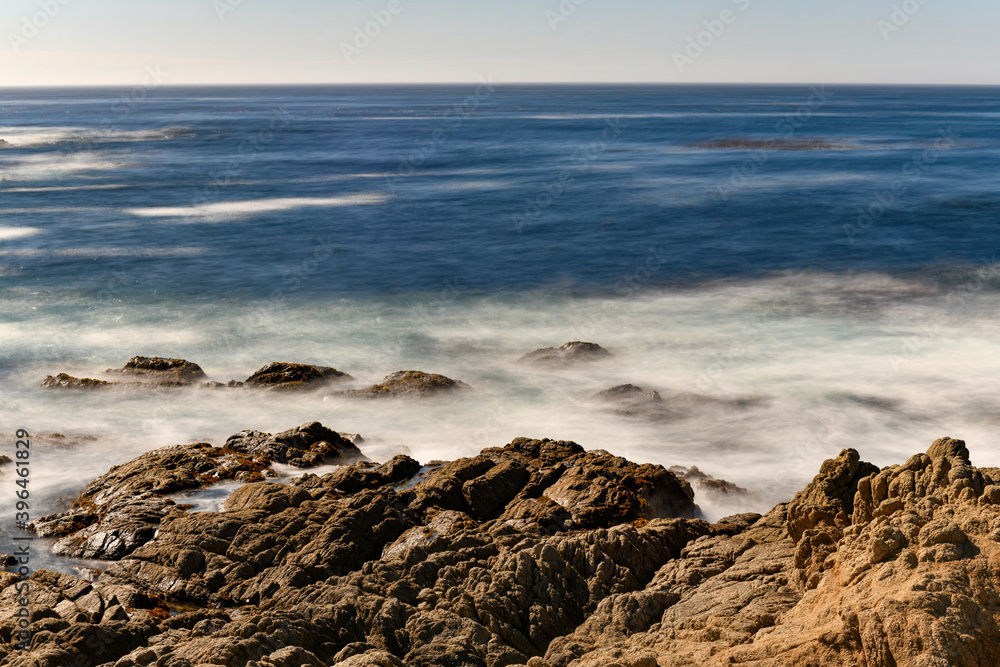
(409, 383)
(714, 494)
(705, 483)
(283, 376)
(378, 565)
(160, 368)
(120, 511)
(565, 355)
(64, 381)
(4, 143)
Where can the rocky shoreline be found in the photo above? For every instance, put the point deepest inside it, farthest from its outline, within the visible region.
(537, 553)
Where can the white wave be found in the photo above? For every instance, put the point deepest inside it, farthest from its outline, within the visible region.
(32, 137)
(238, 209)
(881, 364)
(10, 233)
(103, 252)
(30, 167)
(67, 188)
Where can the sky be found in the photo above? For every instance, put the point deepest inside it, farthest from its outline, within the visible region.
(124, 42)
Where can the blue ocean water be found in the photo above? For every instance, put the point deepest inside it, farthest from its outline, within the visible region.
(829, 251)
(229, 191)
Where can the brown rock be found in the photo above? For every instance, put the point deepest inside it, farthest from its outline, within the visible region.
(161, 369)
(121, 510)
(64, 381)
(409, 383)
(565, 355)
(375, 565)
(284, 376)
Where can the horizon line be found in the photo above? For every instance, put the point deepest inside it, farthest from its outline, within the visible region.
(510, 83)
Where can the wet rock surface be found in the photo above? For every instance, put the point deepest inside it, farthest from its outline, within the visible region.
(284, 376)
(409, 384)
(565, 355)
(122, 509)
(161, 369)
(541, 554)
(162, 373)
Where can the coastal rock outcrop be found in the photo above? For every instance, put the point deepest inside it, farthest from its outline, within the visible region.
(409, 383)
(565, 355)
(122, 509)
(159, 368)
(161, 373)
(283, 376)
(483, 560)
(542, 554)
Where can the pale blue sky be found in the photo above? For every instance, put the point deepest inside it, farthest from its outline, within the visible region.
(302, 41)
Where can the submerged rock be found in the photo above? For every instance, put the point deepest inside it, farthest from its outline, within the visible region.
(631, 401)
(409, 383)
(565, 355)
(159, 368)
(283, 376)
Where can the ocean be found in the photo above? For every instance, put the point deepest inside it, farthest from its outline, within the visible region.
(829, 252)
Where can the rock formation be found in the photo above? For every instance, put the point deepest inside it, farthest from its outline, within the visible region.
(159, 373)
(409, 383)
(535, 554)
(161, 369)
(283, 376)
(565, 355)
